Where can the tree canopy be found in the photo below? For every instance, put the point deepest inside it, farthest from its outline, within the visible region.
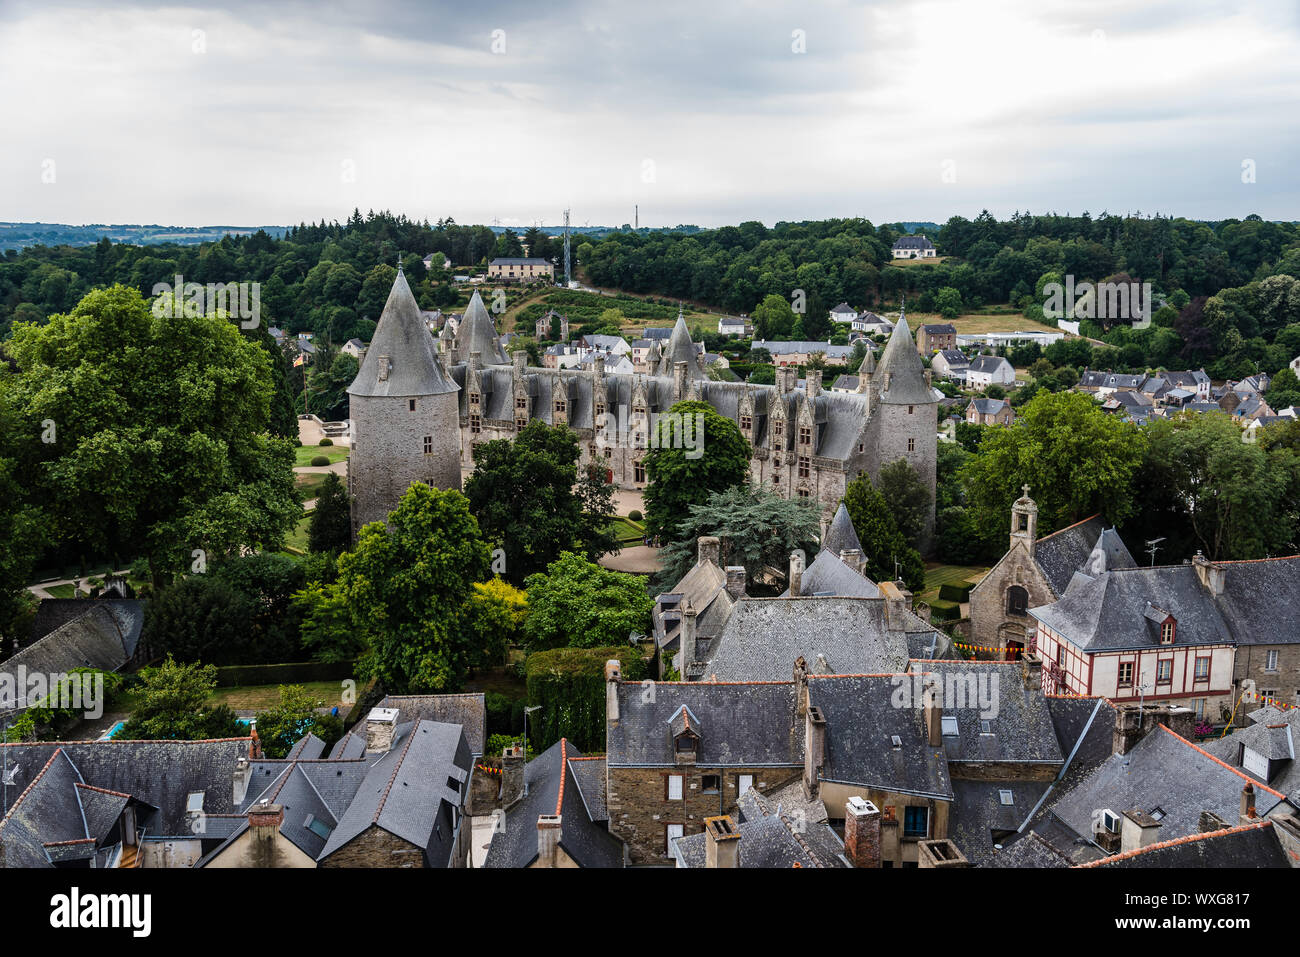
(679, 476)
(576, 603)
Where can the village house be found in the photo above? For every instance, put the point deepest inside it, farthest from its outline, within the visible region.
(935, 337)
(990, 412)
(950, 364)
(801, 352)
(984, 371)
(544, 331)
(913, 247)
(505, 269)
(734, 326)
(869, 323)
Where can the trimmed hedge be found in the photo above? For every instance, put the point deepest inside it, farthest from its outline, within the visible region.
(941, 610)
(326, 441)
(956, 592)
(569, 685)
(319, 460)
(292, 673)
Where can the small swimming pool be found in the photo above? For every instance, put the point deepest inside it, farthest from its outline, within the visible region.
(113, 731)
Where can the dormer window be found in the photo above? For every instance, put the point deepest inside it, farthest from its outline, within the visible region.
(1167, 632)
(805, 435)
(521, 403)
(560, 406)
(778, 429)
(746, 423)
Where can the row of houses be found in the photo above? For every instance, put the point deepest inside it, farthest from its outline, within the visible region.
(1142, 397)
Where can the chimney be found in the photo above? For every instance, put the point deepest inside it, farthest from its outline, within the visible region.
(888, 378)
(1209, 821)
(1134, 722)
(241, 778)
(736, 581)
(598, 365)
(1248, 815)
(927, 378)
(548, 839)
(521, 361)
(800, 687)
(940, 853)
(613, 674)
(898, 601)
(687, 643)
(862, 833)
(475, 361)
(814, 754)
(721, 842)
(264, 822)
(1210, 574)
(933, 703)
(1138, 829)
(813, 383)
(796, 573)
(1031, 667)
(679, 381)
(853, 558)
(381, 726)
(709, 549)
(512, 775)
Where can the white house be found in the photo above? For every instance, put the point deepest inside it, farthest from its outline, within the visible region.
(733, 326)
(913, 247)
(871, 323)
(1295, 365)
(949, 364)
(843, 313)
(985, 371)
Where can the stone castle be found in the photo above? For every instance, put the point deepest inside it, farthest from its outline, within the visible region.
(420, 406)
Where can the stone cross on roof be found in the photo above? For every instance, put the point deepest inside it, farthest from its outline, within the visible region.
(1025, 489)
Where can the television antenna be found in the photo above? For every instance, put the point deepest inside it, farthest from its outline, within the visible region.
(1153, 545)
(567, 269)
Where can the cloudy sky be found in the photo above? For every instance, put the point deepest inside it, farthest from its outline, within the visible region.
(700, 112)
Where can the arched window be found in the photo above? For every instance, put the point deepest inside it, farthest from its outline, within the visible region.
(1017, 600)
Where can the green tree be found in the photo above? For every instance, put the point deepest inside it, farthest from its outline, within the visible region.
(948, 302)
(330, 526)
(703, 461)
(773, 318)
(495, 618)
(191, 472)
(758, 527)
(1076, 459)
(1284, 390)
(404, 590)
(577, 603)
(885, 549)
(200, 618)
(908, 498)
(173, 702)
(524, 497)
(297, 715)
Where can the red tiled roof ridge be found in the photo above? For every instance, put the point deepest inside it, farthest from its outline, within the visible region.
(564, 760)
(75, 840)
(1241, 774)
(589, 757)
(1174, 842)
(410, 738)
(91, 787)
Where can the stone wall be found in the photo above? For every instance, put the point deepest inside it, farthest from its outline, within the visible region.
(376, 847)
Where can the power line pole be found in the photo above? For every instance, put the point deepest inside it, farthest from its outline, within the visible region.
(568, 276)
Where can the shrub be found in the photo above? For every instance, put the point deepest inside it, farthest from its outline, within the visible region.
(569, 685)
(325, 442)
(318, 460)
(634, 516)
(956, 592)
(496, 743)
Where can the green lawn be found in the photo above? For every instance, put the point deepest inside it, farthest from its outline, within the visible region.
(296, 541)
(305, 453)
(62, 591)
(937, 575)
(628, 531)
(262, 697)
(309, 483)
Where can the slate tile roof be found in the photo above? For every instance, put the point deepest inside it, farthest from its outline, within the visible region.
(1062, 553)
(1249, 845)
(402, 338)
(769, 838)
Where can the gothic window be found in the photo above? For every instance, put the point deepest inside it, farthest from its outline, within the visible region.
(805, 435)
(476, 424)
(638, 471)
(804, 466)
(1017, 600)
(428, 444)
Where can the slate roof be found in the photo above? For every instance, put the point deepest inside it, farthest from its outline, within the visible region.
(981, 817)
(467, 710)
(745, 724)
(844, 307)
(1162, 771)
(105, 636)
(840, 534)
(912, 242)
(903, 363)
(519, 261)
(988, 406)
(828, 576)
(769, 837)
(1250, 845)
(1031, 850)
(477, 333)
(553, 787)
(1062, 553)
(764, 636)
(939, 329)
(1274, 734)
(955, 358)
(986, 364)
(804, 346)
(861, 720)
(680, 348)
(402, 338)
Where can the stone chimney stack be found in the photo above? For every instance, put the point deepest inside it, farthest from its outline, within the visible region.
(512, 775)
(812, 383)
(1209, 821)
(1138, 829)
(240, 780)
(475, 361)
(800, 687)
(1210, 574)
(679, 381)
(521, 361)
(264, 823)
(862, 833)
(1248, 815)
(688, 638)
(548, 839)
(736, 581)
(814, 754)
(940, 853)
(613, 674)
(709, 549)
(796, 573)
(932, 699)
(853, 558)
(598, 365)
(721, 842)
(888, 377)
(1031, 668)
(381, 728)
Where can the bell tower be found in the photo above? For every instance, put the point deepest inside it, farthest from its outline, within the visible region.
(1024, 522)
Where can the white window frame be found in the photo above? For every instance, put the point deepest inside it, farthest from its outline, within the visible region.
(743, 784)
(675, 787)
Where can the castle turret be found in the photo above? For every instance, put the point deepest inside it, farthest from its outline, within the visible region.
(404, 411)
(476, 333)
(680, 349)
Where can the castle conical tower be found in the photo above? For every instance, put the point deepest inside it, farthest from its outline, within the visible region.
(405, 414)
(476, 333)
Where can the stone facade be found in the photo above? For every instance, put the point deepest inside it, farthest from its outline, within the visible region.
(376, 847)
(1279, 679)
(640, 810)
(998, 616)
